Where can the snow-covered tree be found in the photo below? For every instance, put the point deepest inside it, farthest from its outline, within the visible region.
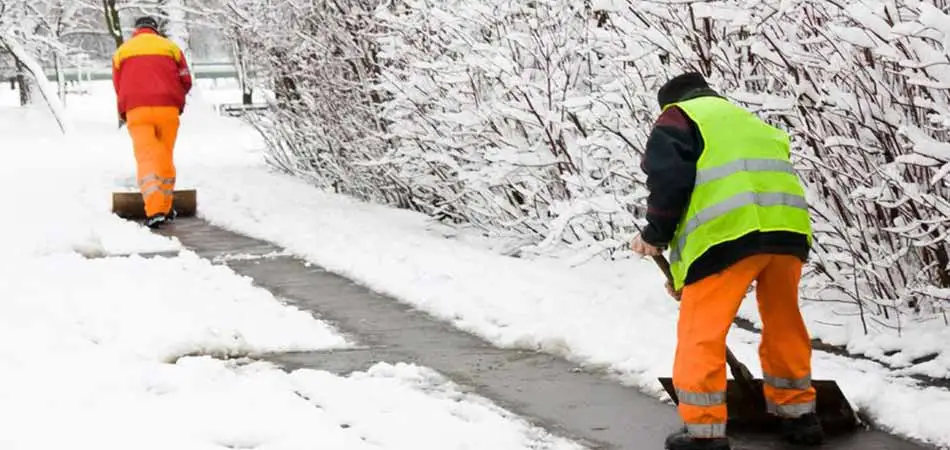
(504, 102)
(319, 61)
(859, 87)
(22, 38)
(176, 27)
(528, 119)
(65, 28)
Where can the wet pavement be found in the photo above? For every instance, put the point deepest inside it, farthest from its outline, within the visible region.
(553, 393)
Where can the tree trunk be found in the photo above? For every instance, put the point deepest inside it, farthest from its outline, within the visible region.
(115, 29)
(60, 78)
(23, 82)
(112, 21)
(247, 92)
(61, 86)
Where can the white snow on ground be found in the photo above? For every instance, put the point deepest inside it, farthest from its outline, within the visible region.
(615, 314)
(611, 314)
(111, 352)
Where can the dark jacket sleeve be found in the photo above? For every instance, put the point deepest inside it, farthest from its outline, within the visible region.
(669, 162)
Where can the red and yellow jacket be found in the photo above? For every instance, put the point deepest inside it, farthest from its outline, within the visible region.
(150, 70)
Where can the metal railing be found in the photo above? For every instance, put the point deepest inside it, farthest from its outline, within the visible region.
(72, 74)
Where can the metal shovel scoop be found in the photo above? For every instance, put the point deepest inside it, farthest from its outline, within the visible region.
(746, 400)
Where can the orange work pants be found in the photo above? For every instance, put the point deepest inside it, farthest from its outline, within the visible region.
(154, 130)
(706, 313)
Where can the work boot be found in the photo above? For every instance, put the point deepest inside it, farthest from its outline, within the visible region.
(681, 440)
(804, 430)
(156, 221)
(172, 215)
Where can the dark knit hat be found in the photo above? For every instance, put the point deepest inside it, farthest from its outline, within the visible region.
(146, 22)
(676, 88)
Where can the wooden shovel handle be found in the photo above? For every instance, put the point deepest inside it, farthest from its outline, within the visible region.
(661, 261)
(739, 371)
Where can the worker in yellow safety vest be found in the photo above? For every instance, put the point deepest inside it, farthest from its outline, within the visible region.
(726, 202)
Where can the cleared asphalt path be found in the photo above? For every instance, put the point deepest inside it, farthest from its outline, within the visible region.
(550, 391)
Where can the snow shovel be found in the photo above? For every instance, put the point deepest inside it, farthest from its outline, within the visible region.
(746, 400)
(131, 206)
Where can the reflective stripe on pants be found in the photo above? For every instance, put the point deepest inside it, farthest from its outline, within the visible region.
(703, 406)
(787, 383)
(153, 178)
(790, 410)
(706, 430)
(788, 397)
(701, 398)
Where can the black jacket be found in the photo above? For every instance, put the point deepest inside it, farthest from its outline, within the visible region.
(673, 148)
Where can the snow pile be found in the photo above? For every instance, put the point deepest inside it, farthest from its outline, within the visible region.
(203, 403)
(153, 309)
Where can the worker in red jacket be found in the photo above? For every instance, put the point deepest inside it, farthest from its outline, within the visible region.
(151, 79)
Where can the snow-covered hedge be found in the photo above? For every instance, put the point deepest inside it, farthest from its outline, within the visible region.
(527, 118)
(319, 62)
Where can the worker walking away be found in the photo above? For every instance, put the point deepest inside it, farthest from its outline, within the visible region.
(726, 202)
(151, 80)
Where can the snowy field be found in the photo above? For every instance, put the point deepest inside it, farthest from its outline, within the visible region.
(119, 335)
(119, 352)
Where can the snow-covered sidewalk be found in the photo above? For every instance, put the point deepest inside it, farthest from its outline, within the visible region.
(104, 352)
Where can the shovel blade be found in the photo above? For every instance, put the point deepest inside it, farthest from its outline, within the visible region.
(747, 411)
(130, 205)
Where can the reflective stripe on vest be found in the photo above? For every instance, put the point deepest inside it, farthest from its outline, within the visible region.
(743, 165)
(745, 182)
(719, 209)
